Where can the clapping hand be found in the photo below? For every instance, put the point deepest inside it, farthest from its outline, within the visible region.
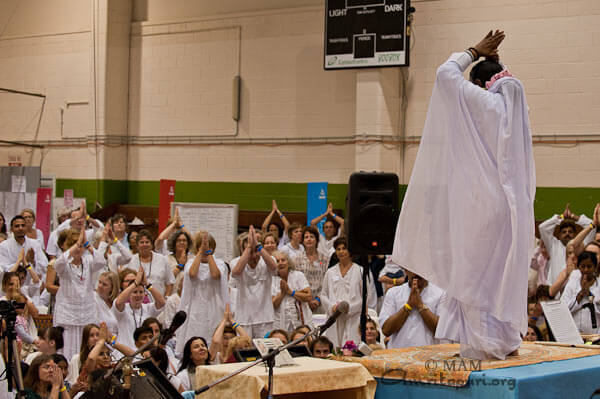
(285, 288)
(414, 299)
(596, 217)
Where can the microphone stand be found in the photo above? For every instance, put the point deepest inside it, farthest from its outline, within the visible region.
(268, 359)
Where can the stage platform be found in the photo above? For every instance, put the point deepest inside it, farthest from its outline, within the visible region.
(435, 372)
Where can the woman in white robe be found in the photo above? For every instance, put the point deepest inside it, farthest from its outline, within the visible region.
(291, 294)
(74, 305)
(343, 283)
(204, 293)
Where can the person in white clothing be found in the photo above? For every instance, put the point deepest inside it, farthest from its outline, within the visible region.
(330, 232)
(269, 226)
(471, 233)
(77, 222)
(582, 295)
(291, 294)
(410, 312)
(32, 232)
(130, 315)
(195, 353)
(252, 275)
(204, 293)
(343, 282)
(12, 247)
(74, 307)
(118, 224)
(155, 265)
(294, 248)
(313, 263)
(106, 292)
(556, 246)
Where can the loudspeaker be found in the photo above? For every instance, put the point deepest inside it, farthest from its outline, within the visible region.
(373, 207)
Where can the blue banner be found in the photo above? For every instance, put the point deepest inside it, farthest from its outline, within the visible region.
(316, 202)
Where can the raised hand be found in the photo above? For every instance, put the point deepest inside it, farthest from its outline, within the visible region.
(203, 245)
(414, 299)
(252, 241)
(330, 209)
(21, 257)
(488, 46)
(110, 233)
(30, 256)
(283, 285)
(103, 335)
(56, 376)
(139, 277)
(596, 217)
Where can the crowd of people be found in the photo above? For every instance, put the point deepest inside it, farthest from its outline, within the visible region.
(110, 291)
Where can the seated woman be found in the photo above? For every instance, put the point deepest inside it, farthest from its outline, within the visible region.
(582, 295)
(290, 295)
(89, 337)
(372, 335)
(195, 353)
(299, 332)
(225, 331)
(96, 364)
(50, 340)
(44, 379)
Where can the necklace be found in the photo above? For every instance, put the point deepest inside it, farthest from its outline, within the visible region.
(149, 267)
(141, 316)
(75, 267)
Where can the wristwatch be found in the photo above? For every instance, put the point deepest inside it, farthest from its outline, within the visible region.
(423, 308)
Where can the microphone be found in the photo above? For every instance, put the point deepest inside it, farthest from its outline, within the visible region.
(177, 321)
(342, 308)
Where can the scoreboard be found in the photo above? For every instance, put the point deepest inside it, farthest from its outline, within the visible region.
(366, 33)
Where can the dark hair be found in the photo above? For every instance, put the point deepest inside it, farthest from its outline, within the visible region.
(186, 359)
(152, 320)
(6, 278)
(144, 233)
(173, 240)
(340, 241)
(228, 329)
(567, 223)
(116, 217)
(587, 255)
(3, 228)
(141, 330)
(279, 331)
(542, 291)
(32, 378)
(55, 334)
(537, 331)
(321, 340)
(57, 357)
(293, 227)
(484, 70)
(279, 229)
(84, 350)
(312, 231)
(161, 358)
(15, 218)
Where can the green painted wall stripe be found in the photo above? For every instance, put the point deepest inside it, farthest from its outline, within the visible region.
(290, 196)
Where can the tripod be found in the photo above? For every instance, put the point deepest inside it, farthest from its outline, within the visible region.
(13, 362)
